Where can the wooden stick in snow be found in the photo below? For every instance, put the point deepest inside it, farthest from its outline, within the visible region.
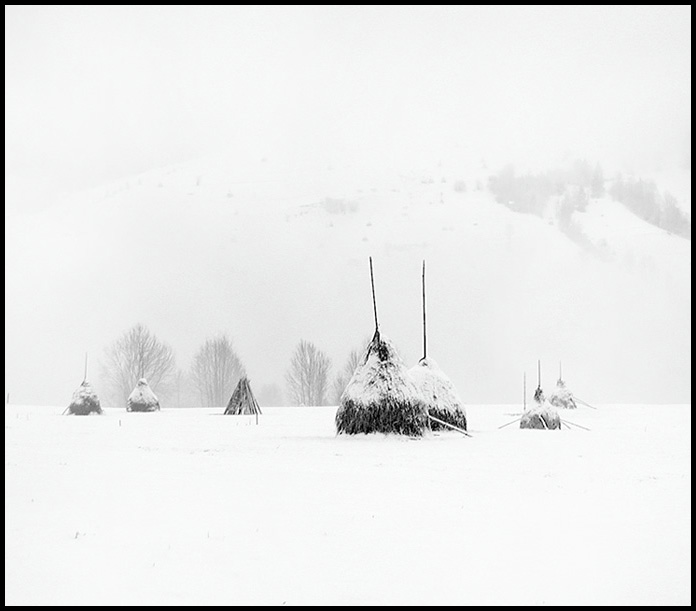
(509, 423)
(583, 403)
(456, 428)
(425, 352)
(374, 301)
(86, 353)
(578, 425)
(539, 374)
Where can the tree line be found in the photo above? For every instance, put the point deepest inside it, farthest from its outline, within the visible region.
(215, 370)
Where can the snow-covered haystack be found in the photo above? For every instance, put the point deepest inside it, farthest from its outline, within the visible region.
(439, 394)
(381, 397)
(142, 399)
(541, 415)
(243, 400)
(562, 397)
(84, 401)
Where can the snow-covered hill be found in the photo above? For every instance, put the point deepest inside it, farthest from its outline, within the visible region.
(271, 252)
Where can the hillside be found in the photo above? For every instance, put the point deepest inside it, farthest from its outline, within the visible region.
(271, 252)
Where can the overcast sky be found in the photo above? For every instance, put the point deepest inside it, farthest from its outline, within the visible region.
(93, 93)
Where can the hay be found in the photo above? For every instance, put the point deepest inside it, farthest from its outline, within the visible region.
(381, 397)
(84, 401)
(439, 394)
(142, 399)
(562, 397)
(541, 416)
(242, 400)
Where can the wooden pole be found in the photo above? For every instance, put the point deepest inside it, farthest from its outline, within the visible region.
(456, 428)
(86, 354)
(578, 425)
(583, 403)
(524, 391)
(539, 374)
(374, 301)
(509, 423)
(425, 352)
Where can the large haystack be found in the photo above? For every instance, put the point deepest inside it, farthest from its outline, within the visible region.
(439, 394)
(243, 400)
(562, 397)
(84, 401)
(540, 416)
(381, 397)
(142, 399)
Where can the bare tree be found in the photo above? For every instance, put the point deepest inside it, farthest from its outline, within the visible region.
(138, 354)
(308, 376)
(215, 371)
(344, 376)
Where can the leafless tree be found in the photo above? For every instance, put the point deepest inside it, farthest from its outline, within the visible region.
(308, 376)
(344, 376)
(138, 354)
(215, 371)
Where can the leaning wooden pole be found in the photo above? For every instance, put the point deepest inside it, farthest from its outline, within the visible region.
(374, 300)
(425, 351)
(456, 428)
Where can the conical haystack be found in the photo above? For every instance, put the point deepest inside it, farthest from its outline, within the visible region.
(541, 415)
(84, 401)
(142, 399)
(381, 397)
(439, 393)
(243, 400)
(562, 397)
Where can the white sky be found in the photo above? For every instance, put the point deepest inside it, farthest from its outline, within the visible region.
(92, 93)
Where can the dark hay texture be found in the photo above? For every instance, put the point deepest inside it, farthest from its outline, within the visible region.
(84, 401)
(142, 399)
(439, 394)
(381, 397)
(242, 400)
(562, 397)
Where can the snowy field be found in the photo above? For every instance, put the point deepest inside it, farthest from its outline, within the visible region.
(190, 507)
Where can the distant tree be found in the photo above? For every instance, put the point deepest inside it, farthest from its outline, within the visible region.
(307, 377)
(138, 354)
(344, 376)
(215, 371)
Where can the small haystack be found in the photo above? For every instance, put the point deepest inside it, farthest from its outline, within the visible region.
(243, 400)
(541, 414)
(142, 399)
(381, 397)
(84, 401)
(441, 398)
(561, 396)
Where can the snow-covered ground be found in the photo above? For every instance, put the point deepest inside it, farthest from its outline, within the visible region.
(190, 507)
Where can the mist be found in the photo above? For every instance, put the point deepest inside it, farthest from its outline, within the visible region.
(159, 162)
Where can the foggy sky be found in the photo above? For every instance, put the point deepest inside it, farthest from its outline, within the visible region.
(94, 94)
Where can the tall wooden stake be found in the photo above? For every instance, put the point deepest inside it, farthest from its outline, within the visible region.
(524, 392)
(425, 352)
(86, 353)
(374, 301)
(539, 374)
